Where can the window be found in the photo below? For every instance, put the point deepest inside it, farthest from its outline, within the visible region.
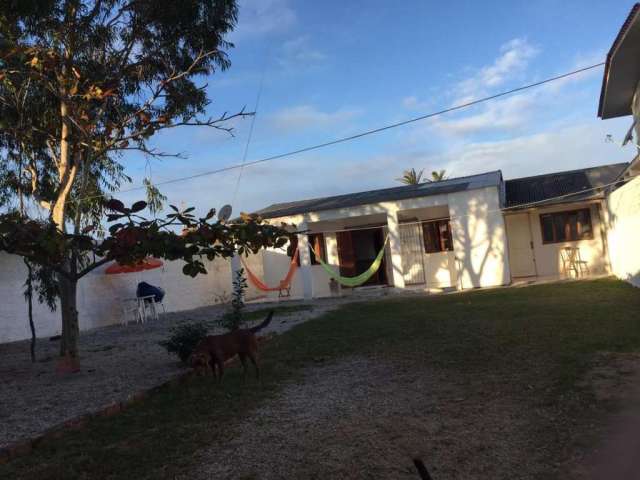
(316, 243)
(437, 236)
(567, 226)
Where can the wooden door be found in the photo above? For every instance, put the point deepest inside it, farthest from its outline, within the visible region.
(521, 257)
(346, 255)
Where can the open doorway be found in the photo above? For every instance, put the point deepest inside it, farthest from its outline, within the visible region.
(357, 250)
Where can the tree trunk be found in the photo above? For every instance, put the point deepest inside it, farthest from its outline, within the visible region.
(30, 309)
(69, 361)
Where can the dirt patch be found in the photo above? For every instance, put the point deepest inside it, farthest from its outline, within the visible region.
(367, 418)
(615, 381)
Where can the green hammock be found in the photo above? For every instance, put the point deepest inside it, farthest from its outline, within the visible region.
(359, 279)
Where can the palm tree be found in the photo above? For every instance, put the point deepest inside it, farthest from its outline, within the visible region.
(438, 175)
(411, 177)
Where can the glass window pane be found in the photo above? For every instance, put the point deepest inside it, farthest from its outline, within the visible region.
(572, 219)
(445, 236)
(584, 224)
(547, 228)
(431, 241)
(560, 227)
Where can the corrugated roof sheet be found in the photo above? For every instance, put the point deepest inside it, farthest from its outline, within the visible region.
(576, 183)
(383, 195)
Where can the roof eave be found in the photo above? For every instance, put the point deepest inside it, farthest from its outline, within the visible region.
(616, 102)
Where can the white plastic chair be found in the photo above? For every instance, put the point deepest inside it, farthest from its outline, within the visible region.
(148, 307)
(131, 311)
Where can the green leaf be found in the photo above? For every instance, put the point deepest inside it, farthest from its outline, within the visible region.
(115, 205)
(138, 206)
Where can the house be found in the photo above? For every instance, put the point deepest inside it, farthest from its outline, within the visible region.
(467, 232)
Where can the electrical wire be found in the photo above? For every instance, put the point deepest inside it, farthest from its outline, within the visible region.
(250, 135)
(358, 135)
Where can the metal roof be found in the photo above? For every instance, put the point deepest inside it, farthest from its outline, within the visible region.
(622, 69)
(572, 185)
(451, 185)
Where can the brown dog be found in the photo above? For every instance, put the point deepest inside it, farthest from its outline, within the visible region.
(214, 350)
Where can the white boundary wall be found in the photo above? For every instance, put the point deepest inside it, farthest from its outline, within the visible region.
(624, 231)
(100, 296)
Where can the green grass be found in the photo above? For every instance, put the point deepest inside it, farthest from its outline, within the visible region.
(546, 334)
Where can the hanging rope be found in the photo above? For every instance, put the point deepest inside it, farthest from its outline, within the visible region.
(283, 285)
(359, 279)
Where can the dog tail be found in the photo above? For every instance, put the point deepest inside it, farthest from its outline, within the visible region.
(264, 323)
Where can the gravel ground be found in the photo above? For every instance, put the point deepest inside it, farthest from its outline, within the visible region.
(367, 418)
(117, 361)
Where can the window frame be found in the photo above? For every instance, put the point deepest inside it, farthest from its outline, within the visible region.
(311, 239)
(317, 239)
(566, 218)
(443, 238)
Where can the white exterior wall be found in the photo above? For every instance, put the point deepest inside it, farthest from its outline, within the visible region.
(276, 265)
(624, 229)
(440, 270)
(548, 256)
(100, 295)
(479, 238)
(480, 248)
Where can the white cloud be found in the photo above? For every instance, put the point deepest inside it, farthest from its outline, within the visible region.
(261, 17)
(508, 114)
(556, 150)
(306, 116)
(514, 58)
(499, 115)
(414, 103)
(298, 53)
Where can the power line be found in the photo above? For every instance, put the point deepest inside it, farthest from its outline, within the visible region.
(361, 134)
(250, 135)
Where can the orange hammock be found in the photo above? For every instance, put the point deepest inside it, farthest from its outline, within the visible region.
(283, 286)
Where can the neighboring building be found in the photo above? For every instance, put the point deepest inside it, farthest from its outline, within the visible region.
(620, 96)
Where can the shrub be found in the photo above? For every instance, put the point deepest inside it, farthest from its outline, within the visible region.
(184, 338)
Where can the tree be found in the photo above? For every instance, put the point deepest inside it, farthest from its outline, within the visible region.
(411, 177)
(438, 175)
(81, 83)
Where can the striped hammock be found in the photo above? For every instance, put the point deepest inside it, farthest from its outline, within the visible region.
(358, 279)
(283, 285)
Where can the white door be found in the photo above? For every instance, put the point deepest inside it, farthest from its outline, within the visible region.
(521, 256)
(412, 256)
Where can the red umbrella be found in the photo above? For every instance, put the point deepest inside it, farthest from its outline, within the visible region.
(146, 264)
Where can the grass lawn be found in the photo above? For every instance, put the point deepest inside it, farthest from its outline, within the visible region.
(534, 343)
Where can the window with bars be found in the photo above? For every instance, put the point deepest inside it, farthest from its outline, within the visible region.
(437, 236)
(569, 226)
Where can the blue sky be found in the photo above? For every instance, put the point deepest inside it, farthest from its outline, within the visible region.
(335, 68)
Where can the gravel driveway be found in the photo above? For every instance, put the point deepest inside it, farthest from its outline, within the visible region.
(117, 362)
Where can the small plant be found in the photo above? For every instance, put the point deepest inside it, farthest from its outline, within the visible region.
(184, 338)
(232, 320)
